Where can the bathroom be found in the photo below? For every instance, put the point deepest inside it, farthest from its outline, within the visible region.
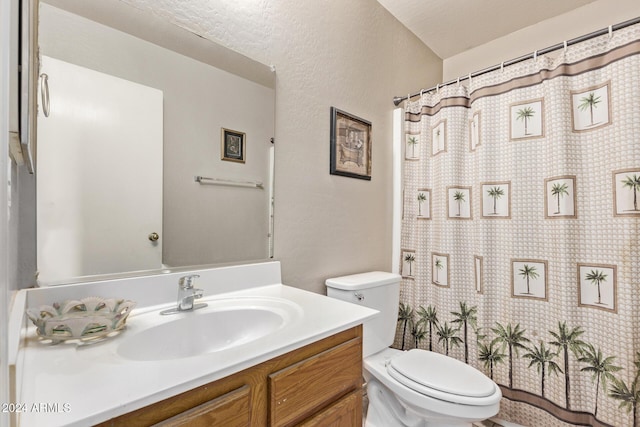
(351, 55)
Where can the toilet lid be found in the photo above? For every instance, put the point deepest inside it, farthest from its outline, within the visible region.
(439, 372)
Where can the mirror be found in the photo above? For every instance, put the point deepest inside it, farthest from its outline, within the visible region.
(216, 111)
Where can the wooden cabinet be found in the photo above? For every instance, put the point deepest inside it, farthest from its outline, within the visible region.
(346, 412)
(232, 409)
(303, 388)
(317, 385)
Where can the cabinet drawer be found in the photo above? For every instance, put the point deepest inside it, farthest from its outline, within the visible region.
(229, 410)
(346, 412)
(300, 390)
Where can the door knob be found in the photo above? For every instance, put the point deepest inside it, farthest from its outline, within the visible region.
(154, 237)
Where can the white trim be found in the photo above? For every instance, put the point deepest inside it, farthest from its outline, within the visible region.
(396, 232)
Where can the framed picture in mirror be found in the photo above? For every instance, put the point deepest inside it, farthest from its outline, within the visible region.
(350, 145)
(233, 145)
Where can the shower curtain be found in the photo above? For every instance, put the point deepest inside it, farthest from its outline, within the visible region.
(520, 231)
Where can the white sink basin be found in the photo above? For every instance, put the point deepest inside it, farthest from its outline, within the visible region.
(224, 324)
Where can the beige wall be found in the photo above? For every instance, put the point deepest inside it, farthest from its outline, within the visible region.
(355, 56)
(592, 17)
(349, 54)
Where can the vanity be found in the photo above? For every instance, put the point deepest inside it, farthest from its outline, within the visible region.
(286, 356)
(316, 385)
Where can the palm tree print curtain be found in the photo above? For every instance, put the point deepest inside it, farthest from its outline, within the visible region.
(520, 231)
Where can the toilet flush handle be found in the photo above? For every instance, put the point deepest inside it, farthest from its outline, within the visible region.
(359, 295)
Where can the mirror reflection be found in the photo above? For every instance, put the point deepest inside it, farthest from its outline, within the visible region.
(154, 145)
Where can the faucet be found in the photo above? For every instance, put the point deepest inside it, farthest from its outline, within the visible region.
(186, 294)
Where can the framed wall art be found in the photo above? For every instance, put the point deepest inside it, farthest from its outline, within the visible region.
(233, 145)
(350, 147)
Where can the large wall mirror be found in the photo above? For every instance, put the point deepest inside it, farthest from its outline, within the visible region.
(154, 146)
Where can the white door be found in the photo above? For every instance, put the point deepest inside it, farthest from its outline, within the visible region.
(99, 174)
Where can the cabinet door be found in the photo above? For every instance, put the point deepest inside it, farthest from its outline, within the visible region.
(346, 412)
(300, 390)
(229, 410)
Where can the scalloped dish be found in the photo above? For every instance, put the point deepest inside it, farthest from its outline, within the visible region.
(85, 319)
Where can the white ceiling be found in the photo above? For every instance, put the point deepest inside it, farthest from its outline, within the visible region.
(450, 27)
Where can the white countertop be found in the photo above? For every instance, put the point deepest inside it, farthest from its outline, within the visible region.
(80, 386)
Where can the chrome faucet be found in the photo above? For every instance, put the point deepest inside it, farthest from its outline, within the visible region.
(186, 294)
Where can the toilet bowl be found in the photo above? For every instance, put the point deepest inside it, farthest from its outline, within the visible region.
(416, 388)
(423, 388)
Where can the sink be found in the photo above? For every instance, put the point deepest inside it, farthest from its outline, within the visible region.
(222, 325)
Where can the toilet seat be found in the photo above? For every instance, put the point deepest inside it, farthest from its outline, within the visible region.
(442, 377)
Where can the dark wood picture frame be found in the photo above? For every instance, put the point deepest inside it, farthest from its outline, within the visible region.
(233, 145)
(350, 145)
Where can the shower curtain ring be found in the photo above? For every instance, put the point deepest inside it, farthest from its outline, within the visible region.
(565, 46)
(437, 88)
(458, 82)
(535, 56)
(502, 67)
(610, 31)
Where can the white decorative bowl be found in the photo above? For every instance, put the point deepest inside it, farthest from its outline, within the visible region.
(84, 319)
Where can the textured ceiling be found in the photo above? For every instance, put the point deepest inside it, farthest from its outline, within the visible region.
(450, 27)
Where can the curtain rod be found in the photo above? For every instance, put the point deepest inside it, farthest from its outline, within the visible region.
(398, 99)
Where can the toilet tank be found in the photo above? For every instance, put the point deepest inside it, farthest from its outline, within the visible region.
(378, 290)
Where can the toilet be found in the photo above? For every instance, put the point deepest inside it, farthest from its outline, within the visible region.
(416, 388)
